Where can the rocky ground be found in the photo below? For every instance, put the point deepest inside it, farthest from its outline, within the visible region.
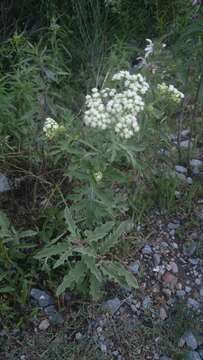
(169, 269)
(162, 320)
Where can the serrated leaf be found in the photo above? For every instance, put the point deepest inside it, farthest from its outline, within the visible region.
(75, 274)
(120, 274)
(72, 227)
(27, 233)
(57, 249)
(7, 290)
(100, 232)
(112, 240)
(63, 258)
(92, 266)
(95, 288)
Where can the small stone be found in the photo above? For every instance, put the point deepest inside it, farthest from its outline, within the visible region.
(78, 336)
(23, 357)
(157, 259)
(167, 292)
(112, 305)
(190, 340)
(115, 353)
(189, 180)
(188, 289)
(180, 293)
(44, 325)
(184, 133)
(174, 267)
(177, 194)
(164, 357)
(4, 184)
(170, 280)
(174, 225)
(147, 303)
(181, 169)
(54, 316)
(194, 261)
(189, 248)
(201, 292)
(193, 303)
(163, 315)
(197, 281)
(103, 348)
(196, 163)
(184, 144)
(181, 177)
(133, 308)
(147, 250)
(192, 355)
(134, 267)
(41, 297)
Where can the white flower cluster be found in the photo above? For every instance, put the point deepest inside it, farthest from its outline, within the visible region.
(50, 127)
(174, 93)
(117, 109)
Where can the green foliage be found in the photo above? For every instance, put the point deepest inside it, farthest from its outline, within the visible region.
(16, 249)
(86, 255)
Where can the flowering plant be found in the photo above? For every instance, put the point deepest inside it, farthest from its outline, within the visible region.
(117, 108)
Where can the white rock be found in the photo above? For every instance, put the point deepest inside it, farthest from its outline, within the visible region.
(196, 163)
(181, 169)
(163, 315)
(44, 325)
(184, 144)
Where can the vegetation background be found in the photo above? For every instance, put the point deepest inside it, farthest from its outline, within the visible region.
(61, 227)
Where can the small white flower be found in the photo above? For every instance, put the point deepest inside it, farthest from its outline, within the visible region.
(50, 127)
(98, 176)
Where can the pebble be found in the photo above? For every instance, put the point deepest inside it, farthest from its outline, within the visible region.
(134, 267)
(185, 133)
(163, 315)
(180, 293)
(197, 281)
(196, 163)
(174, 225)
(189, 180)
(157, 259)
(201, 292)
(164, 357)
(184, 144)
(4, 184)
(42, 297)
(44, 325)
(103, 348)
(192, 355)
(174, 267)
(194, 261)
(188, 289)
(112, 305)
(147, 250)
(190, 340)
(78, 336)
(193, 303)
(54, 316)
(170, 280)
(181, 169)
